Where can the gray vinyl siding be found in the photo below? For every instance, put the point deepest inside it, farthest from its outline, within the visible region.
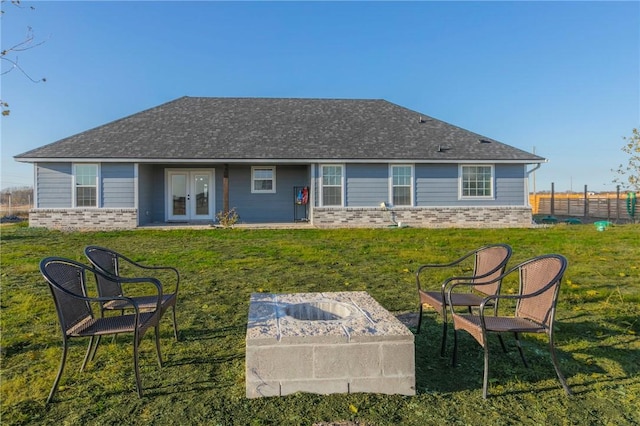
(436, 185)
(145, 194)
(118, 185)
(152, 193)
(53, 185)
(158, 194)
(367, 185)
(510, 181)
(268, 207)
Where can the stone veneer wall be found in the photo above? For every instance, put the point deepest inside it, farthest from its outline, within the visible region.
(425, 217)
(84, 219)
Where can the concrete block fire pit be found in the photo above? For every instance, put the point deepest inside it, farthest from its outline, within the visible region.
(324, 343)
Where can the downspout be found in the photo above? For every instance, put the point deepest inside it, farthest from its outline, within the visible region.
(529, 172)
(534, 169)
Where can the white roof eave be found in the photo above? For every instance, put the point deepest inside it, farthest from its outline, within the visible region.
(273, 160)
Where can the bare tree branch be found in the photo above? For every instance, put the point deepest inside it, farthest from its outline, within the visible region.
(14, 65)
(9, 55)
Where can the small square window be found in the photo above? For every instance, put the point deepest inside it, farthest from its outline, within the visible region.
(263, 179)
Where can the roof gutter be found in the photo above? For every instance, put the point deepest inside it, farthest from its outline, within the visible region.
(537, 166)
(276, 161)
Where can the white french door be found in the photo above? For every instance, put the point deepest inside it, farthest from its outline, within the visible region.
(190, 194)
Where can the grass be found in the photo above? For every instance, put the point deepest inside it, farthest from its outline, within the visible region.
(598, 324)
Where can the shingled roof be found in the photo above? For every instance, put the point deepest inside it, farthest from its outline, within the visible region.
(273, 129)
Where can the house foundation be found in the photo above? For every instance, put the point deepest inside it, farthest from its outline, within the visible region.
(84, 219)
(423, 217)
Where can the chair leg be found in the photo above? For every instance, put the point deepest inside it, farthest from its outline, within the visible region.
(60, 370)
(136, 368)
(175, 324)
(95, 348)
(524, 361)
(556, 365)
(157, 329)
(443, 345)
(485, 380)
(454, 356)
(504, 348)
(90, 352)
(419, 319)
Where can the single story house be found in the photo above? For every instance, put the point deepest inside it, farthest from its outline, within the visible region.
(331, 162)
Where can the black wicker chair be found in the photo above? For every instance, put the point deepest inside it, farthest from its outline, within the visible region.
(67, 281)
(117, 265)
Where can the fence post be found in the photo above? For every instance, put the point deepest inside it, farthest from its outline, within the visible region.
(553, 208)
(617, 203)
(586, 202)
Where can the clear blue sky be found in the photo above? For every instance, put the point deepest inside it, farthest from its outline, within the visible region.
(558, 78)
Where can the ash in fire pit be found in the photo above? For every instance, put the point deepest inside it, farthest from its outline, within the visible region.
(325, 343)
(325, 310)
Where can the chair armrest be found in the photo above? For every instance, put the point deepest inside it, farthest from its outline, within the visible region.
(421, 268)
(151, 268)
(132, 280)
(103, 299)
(468, 282)
(497, 297)
(147, 280)
(448, 284)
(452, 281)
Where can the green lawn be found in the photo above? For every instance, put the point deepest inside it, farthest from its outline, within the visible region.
(202, 382)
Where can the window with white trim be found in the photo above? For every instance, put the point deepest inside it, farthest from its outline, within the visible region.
(85, 178)
(263, 180)
(401, 184)
(476, 181)
(331, 186)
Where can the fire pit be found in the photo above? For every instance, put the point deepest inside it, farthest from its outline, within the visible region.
(324, 343)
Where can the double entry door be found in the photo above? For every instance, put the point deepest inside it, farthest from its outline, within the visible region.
(190, 194)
